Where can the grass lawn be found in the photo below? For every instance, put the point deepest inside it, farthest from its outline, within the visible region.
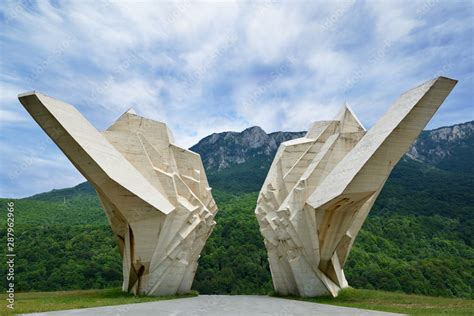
(397, 302)
(50, 301)
(366, 299)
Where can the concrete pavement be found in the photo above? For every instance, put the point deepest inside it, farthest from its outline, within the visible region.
(211, 305)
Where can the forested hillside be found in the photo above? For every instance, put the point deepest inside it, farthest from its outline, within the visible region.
(417, 239)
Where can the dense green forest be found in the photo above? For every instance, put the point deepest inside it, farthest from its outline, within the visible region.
(407, 244)
(417, 239)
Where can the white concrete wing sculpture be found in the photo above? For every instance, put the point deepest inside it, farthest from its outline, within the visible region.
(321, 187)
(155, 194)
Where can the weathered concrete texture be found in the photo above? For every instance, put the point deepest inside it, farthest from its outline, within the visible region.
(155, 194)
(321, 187)
(218, 305)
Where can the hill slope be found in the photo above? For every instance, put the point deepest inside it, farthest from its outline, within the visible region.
(448, 148)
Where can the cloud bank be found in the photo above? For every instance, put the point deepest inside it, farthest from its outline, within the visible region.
(212, 67)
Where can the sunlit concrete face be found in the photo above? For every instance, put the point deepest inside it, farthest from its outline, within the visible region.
(321, 187)
(155, 194)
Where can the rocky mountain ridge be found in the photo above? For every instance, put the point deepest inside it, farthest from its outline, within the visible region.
(446, 146)
(221, 151)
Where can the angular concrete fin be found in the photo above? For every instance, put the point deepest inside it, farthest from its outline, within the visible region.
(88, 149)
(349, 121)
(317, 128)
(124, 122)
(369, 164)
(132, 122)
(131, 110)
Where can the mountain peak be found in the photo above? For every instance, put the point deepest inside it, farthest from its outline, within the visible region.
(245, 156)
(255, 137)
(253, 129)
(222, 150)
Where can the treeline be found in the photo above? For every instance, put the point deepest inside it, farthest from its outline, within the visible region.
(64, 257)
(423, 255)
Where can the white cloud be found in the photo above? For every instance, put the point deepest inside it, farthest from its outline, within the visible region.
(394, 20)
(10, 110)
(7, 117)
(271, 31)
(210, 67)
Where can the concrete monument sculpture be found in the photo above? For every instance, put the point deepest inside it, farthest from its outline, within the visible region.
(321, 187)
(155, 194)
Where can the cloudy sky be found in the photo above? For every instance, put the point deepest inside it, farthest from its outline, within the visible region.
(213, 67)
